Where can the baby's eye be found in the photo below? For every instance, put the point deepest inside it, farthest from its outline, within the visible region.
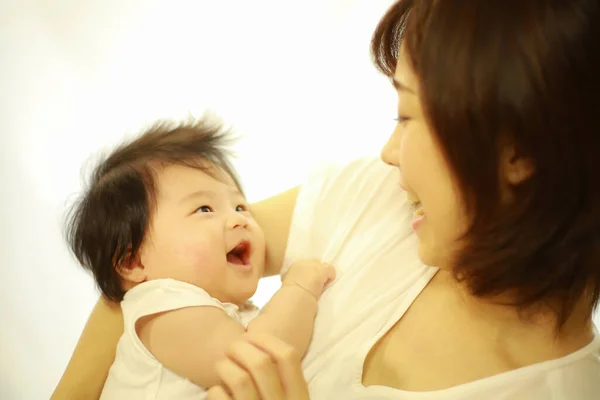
(241, 208)
(204, 209)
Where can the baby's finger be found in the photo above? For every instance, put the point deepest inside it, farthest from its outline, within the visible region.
(330, 273)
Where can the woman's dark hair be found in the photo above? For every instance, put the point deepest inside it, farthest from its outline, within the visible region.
(108, 224)
(525, 73)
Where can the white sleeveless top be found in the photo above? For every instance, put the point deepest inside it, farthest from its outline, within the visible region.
(136, 374)
(357, 218)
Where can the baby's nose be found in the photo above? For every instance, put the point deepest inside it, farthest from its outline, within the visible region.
(237, 220)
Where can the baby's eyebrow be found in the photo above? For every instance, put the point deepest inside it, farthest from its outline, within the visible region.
(211, 194)
(198, 193)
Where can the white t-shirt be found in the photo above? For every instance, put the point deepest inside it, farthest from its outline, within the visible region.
(135, 373)
(357, 218)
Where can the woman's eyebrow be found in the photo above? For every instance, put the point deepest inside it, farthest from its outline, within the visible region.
(401, 86)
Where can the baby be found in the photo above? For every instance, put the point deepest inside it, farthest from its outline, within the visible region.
(164, 227)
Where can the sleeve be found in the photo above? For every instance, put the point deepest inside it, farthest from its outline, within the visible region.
(165, 295)
(336, 201)
(136, 364)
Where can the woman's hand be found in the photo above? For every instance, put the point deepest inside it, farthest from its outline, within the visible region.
(260, 367)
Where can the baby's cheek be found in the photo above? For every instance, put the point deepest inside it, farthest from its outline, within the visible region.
(195, 253)
(258, 235)
(259, 252)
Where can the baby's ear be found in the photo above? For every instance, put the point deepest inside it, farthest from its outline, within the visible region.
(131, 269)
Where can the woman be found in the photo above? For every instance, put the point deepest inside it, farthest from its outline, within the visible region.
(497, 146)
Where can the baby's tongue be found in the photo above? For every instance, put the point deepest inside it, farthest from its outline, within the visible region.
(234, 259)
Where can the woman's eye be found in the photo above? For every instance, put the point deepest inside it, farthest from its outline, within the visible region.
(241, 208)
(204, 209)
(400, 119)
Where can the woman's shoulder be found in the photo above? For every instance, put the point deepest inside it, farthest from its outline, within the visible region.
(334, 185)
(340, 204)
(331, 174)
(575, 376)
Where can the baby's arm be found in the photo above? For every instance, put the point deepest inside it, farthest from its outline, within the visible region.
(290, 313)
(191, 341)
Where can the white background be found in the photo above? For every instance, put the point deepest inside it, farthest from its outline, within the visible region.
(293, 78)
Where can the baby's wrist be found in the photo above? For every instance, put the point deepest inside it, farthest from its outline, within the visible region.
(304, 289)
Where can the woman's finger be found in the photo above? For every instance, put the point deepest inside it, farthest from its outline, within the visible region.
(217, 393)
(261, 368)
(236, 380)
(288, 364)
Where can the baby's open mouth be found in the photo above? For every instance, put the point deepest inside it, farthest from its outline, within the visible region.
(240, 254)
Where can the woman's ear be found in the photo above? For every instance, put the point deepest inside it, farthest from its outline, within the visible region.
(515, 169)
(131, 269)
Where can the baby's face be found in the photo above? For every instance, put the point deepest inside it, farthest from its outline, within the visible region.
(202, 233)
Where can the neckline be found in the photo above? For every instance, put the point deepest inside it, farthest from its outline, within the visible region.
(490, 381)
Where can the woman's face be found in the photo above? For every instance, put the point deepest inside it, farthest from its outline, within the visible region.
(439, 218)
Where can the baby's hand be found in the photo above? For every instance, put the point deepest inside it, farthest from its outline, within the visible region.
(311, 275)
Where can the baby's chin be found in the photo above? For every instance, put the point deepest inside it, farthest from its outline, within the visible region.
(244, 296)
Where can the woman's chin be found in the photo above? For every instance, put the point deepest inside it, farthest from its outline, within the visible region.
(436, 259)
(430, 256)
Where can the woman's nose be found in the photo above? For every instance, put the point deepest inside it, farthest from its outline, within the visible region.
(389, 152)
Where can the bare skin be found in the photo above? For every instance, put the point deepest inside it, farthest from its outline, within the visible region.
(469, 348)
(95, 352)
(447, 338)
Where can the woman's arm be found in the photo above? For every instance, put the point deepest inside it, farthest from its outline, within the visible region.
(274, 215)
(95, 351)
(94, 354)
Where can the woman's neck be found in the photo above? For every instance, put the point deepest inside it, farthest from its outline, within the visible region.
(524, 338)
